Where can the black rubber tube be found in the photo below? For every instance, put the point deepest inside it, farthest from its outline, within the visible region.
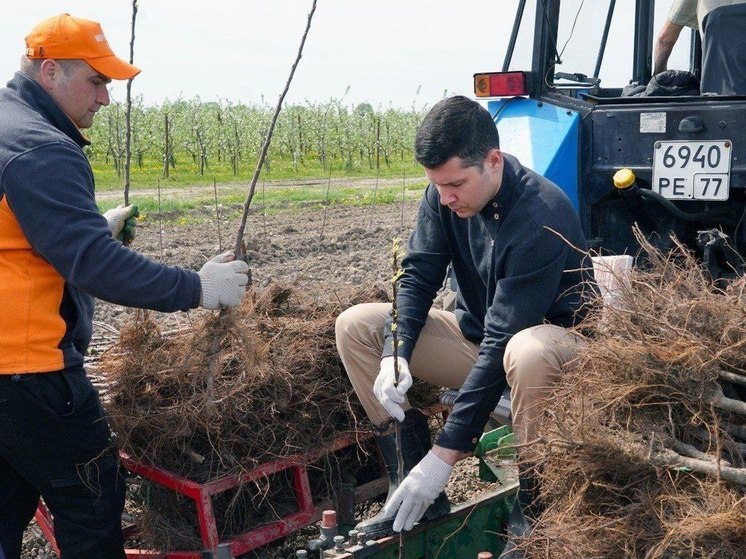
(681, 214)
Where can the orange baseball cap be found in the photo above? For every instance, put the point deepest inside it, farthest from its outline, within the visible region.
(70, 38)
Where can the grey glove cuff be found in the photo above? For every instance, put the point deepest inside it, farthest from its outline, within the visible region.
(210, 298)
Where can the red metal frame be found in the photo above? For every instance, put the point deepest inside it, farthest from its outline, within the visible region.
(202, 493)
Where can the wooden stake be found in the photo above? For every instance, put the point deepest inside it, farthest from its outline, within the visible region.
(160, 219)
(128, 114)
(326, 203)
(217, 214)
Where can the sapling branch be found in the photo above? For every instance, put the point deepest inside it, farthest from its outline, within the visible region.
(669, 458)
(240, 250)
(723, 403)
(732, 377)
(128, 114)
(693, 452)
(396, 274)
(240, 247)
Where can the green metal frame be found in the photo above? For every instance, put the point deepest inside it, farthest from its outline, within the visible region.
(475, 526)
(496, 456)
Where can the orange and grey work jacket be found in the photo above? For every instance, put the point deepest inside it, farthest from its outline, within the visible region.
(56, 251)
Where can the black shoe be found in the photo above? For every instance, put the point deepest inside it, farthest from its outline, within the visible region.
(415, 442)
(526, 509)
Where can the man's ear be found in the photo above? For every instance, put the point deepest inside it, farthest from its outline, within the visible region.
(49, 74)
(494, 159)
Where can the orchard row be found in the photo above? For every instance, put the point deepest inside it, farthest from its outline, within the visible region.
(200, 134)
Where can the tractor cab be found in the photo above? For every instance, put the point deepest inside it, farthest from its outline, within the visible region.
(576, 101)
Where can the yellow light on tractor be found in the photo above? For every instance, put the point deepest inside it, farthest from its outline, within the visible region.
(500, 84)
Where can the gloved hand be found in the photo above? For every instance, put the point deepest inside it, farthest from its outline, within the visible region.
(390, 396)
(418, 491)
(223, 281)
(122, 221)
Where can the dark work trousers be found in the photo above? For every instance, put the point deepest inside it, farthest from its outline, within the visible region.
(55, 442)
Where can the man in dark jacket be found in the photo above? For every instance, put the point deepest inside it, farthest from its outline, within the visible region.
(56, 254)
(516, 248)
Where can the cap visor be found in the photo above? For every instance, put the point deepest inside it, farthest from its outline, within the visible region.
(113, 67)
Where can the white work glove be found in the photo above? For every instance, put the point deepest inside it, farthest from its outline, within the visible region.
(418, 491)
(390, 396)
(223, 281)
(122, 222)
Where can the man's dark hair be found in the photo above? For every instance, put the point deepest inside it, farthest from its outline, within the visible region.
(456, 126)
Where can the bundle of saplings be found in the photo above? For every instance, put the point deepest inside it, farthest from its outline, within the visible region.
(644, 442)
(235, 390)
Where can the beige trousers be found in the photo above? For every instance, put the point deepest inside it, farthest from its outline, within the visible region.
(533, 360)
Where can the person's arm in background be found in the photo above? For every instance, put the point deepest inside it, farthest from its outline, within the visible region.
(664, 44)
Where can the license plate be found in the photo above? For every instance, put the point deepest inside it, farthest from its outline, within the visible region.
(692, 170)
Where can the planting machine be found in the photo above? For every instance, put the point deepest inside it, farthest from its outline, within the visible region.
(687, 161)
(470, 528)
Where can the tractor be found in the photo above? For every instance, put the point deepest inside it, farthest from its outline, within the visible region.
(686, 153)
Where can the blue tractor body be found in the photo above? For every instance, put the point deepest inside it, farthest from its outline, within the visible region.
(543, 136)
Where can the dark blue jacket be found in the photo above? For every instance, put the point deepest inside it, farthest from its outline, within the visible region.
(56, 251)
(520, 262)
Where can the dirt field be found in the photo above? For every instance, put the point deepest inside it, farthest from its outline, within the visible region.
(319, 251)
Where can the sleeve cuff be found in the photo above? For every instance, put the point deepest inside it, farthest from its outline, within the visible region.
(457, 437)
(197, 292)
(405, 348)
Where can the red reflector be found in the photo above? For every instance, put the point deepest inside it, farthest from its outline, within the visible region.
(500, 84)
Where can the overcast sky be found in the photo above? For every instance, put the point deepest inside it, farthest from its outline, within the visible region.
(241, 50)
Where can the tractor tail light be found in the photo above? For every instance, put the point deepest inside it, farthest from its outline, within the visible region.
(501, 84)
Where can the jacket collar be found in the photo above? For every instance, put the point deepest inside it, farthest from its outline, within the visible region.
(34, 95)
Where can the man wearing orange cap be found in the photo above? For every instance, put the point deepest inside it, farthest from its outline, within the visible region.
(56, 254)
